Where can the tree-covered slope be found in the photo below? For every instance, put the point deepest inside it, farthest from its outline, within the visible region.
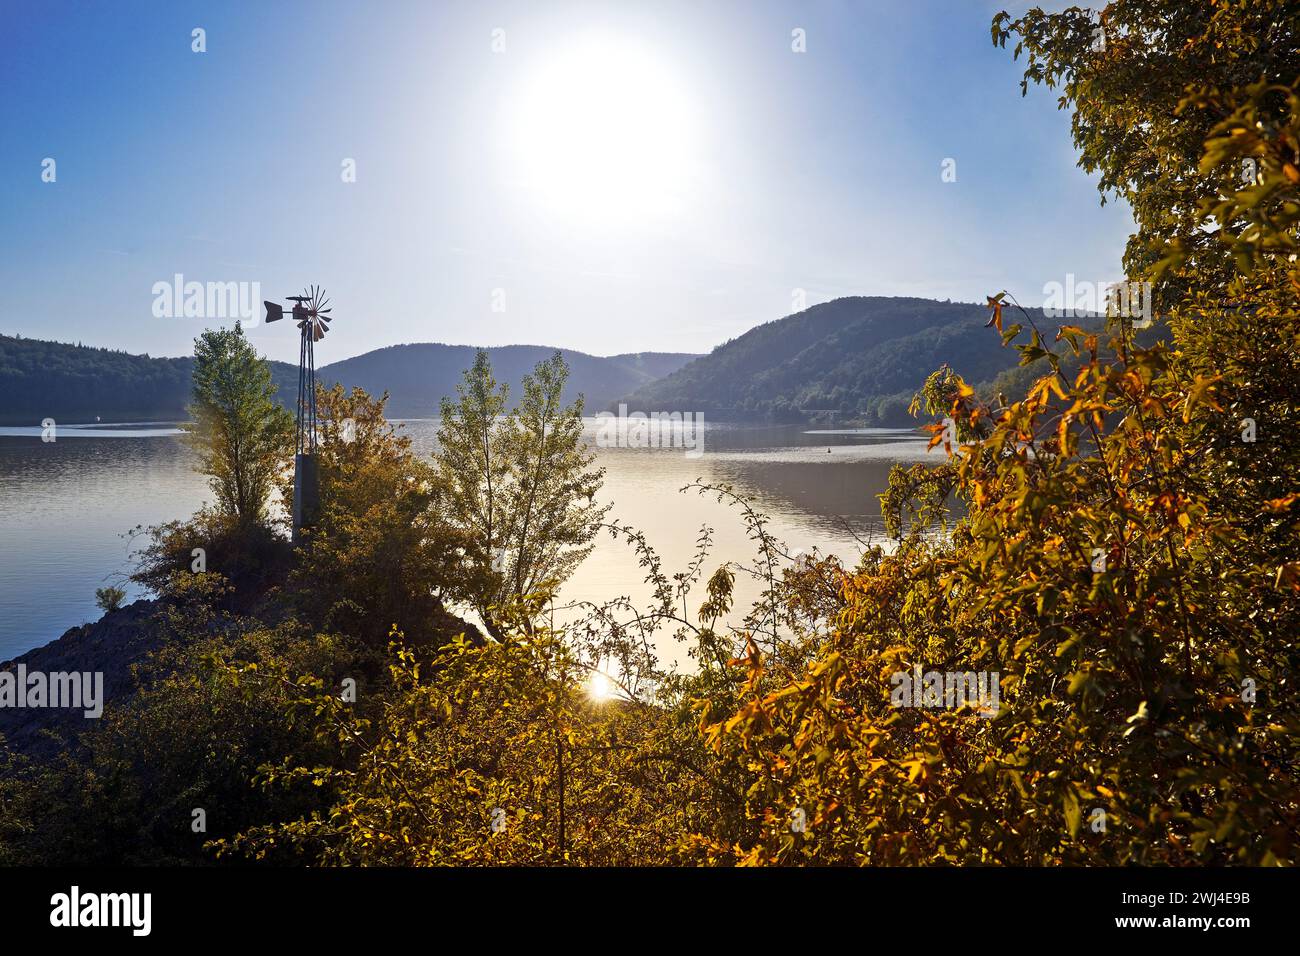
(862, 356)
(77, 383)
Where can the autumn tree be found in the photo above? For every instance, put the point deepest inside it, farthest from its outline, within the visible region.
(380, 554)
(1124, 554)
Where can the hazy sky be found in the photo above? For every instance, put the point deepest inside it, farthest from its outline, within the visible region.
(608, 177)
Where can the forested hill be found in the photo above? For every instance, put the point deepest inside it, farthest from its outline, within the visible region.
(75, 383)
(864, 356)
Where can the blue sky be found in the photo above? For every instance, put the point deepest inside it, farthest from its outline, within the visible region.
(613, 177)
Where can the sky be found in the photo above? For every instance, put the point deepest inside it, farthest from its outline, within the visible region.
(607, 177)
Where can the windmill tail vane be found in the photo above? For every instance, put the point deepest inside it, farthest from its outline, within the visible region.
(312, 317)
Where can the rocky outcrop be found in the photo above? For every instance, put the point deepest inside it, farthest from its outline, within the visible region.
(109, 647)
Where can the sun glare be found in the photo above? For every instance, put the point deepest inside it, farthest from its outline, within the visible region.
(602, 131)
(599, 687)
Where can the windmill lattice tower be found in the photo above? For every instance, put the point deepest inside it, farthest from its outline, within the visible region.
(313, 322)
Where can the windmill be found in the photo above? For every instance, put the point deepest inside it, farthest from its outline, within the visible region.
(313, 322)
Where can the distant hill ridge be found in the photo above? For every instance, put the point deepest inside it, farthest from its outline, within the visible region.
(863, 357)
(418, 375)
(76, 383)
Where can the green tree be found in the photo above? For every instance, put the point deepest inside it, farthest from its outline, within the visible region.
(473, 474)
(519, 487)
(552, 514)
(242, 436)
(109, 598)
(1124, 72)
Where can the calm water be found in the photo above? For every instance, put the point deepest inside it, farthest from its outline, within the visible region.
(66, 507)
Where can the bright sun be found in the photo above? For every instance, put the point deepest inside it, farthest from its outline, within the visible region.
(599, 687)
(602, 132)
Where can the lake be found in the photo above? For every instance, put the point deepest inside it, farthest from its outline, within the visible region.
(66, 507)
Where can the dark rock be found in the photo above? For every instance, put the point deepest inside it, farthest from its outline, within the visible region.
(111, 645)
